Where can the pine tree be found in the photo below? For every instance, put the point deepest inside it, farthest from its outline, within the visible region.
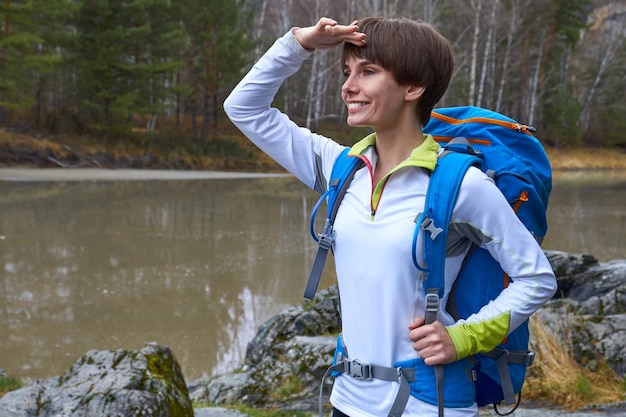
(217, 48)
(124, 59)
(32, 31)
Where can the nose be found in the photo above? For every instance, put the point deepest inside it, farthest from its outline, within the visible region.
(349, 85)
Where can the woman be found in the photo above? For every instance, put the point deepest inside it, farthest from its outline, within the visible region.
(396, 70)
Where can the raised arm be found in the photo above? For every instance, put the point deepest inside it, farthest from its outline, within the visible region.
(248, 106)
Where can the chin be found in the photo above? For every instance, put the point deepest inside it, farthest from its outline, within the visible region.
(352, 123)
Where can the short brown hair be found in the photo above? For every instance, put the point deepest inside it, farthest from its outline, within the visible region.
(413, 51)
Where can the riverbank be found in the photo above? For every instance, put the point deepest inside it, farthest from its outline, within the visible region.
(232, 153)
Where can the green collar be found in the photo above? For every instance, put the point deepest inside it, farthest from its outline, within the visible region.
(425, 155)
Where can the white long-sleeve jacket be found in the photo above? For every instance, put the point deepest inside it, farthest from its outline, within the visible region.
(381, 290)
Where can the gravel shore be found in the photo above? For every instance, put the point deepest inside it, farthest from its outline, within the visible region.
(603, 410)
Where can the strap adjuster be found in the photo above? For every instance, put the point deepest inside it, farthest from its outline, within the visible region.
(358, 370)
(327, 237)
(530, 358)
(432, 302)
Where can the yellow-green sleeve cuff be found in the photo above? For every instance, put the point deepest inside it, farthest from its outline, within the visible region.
(471, 338)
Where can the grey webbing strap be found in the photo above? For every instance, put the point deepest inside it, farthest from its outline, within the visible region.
(505, 380)
(325, 244)
(518, 357)
(432, 305)
(503, 358)
(439, 379)
(432, 308)
(364, 371)
(327, 238)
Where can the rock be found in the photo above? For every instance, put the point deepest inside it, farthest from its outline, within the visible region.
(284, 362)
(315, 317)
(288, 356)
(108, 383)
(590, 313)
(565, 264)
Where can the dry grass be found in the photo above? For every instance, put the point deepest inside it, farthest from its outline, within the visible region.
(228, 153)
(36, 145)
(586, 158)
(22, 149)
(557, 378)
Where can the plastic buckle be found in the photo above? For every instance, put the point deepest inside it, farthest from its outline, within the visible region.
(358, 370)
(327, 237)
(429, 226)
(326, 241)
(432, 302)
(400, 373)
(530, 358)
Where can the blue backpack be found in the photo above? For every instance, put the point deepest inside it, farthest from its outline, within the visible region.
(509, 153)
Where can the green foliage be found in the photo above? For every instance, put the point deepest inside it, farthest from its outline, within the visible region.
(216, 33)
(609, 126)
(583, 387)
(126, 52)
(255, 412)
(292, 385)
(561, 123)
(571, 19)
(31, 32)
(100, 66)
(8, 384)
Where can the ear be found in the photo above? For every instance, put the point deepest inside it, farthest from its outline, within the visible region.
(414, 92)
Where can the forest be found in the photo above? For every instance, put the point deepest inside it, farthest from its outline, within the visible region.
(108, 68)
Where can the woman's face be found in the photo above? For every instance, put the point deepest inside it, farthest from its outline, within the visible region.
(372, 95)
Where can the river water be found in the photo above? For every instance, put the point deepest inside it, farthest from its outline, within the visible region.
(195, 261)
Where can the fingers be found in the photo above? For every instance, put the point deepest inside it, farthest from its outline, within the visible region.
(432, 342)
(417, 322)
(327, 33)
(346, 33)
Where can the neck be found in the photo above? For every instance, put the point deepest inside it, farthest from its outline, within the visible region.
(395, 145)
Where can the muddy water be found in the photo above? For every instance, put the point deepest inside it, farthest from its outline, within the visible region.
(113, 260)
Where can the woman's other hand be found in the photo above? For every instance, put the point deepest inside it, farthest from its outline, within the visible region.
(327, 33)
(432, 342)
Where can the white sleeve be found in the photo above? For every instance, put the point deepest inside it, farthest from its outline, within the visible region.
(484, 209)
(306, 155)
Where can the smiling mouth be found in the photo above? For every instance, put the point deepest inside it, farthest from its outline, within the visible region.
(353, 106)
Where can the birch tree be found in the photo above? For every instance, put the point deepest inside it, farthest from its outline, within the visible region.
(512, 29)
(489, 53)
(606, 54)
(477, 9)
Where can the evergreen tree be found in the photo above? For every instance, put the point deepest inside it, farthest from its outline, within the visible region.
(124, 59)
(560, 107)
(217, 48)
(32, 31)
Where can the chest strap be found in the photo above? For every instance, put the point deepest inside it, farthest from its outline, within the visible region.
(358, 370)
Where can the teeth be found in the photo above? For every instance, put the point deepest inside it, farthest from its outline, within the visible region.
(355, 105)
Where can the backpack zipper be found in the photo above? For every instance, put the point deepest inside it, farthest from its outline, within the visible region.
(529, 130)
(523, 197)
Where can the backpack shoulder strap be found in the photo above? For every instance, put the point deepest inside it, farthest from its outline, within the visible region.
(343, 171)
(441, 196)
(443, 189)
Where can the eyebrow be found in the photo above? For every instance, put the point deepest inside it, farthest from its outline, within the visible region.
(362, 63)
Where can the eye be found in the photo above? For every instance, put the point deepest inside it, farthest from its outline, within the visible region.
(368, 71)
